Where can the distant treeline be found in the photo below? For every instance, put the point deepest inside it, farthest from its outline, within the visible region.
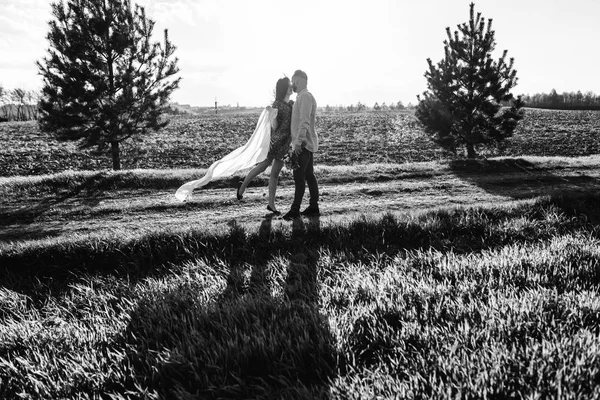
(564, 101)
(18, 112)
(18, 104)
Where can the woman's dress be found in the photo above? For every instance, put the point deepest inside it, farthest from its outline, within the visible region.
(247, 156)
(281, 137)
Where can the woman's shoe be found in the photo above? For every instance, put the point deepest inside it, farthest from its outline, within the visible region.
(273, 210)
(239, 186)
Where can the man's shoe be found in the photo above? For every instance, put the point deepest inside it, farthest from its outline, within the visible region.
(290, 215)
(311, 211)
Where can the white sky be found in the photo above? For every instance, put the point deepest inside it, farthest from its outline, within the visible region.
(352, 50)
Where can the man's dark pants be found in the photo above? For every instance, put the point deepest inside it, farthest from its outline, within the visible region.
(303, 175)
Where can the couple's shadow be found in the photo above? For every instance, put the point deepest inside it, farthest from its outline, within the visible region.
(301, 283)
(261, 337)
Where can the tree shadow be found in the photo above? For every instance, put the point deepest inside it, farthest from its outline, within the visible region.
(263, 336)
(22, 222)
(519, 178)
(30, 231)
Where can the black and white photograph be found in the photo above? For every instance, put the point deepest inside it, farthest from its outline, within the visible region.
(315, 199)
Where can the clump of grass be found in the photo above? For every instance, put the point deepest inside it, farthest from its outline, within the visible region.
(75, 182)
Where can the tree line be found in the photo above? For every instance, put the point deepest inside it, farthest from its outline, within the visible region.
(565, 101)
(18, 104)
(358, 107)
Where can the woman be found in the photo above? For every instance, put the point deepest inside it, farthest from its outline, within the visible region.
(247, 156)
(279, 145)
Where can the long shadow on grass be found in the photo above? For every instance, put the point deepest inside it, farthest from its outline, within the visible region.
(21, 223)
(26, 216)
(519, 178)
(262, 337)
(50, 269)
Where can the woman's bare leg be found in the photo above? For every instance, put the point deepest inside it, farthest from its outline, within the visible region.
(273, 180)
(258, 168)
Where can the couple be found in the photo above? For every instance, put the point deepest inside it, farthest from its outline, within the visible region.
(284, 127)
(293, 132)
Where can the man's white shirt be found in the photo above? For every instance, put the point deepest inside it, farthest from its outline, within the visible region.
(304, 115)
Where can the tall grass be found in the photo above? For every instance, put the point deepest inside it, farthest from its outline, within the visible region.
(484, 302)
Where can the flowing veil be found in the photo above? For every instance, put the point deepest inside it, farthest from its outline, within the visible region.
(253, 152)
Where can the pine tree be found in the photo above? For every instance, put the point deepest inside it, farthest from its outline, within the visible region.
(467, 90)
(104, 79)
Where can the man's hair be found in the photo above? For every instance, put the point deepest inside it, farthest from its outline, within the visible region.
(300, 73)
(281, 88)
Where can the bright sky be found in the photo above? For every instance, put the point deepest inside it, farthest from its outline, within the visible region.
(352, 50)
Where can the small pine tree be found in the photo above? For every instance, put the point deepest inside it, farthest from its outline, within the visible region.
(104, 80)
(463, 105)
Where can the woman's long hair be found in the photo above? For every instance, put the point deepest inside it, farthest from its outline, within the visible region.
(281, 88)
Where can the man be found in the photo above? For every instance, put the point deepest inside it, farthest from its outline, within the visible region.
(305, 143)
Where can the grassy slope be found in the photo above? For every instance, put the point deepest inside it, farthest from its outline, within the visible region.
(130, 201)
(113, 286)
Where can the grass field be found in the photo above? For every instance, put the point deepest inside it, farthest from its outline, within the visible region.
(442, 278)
